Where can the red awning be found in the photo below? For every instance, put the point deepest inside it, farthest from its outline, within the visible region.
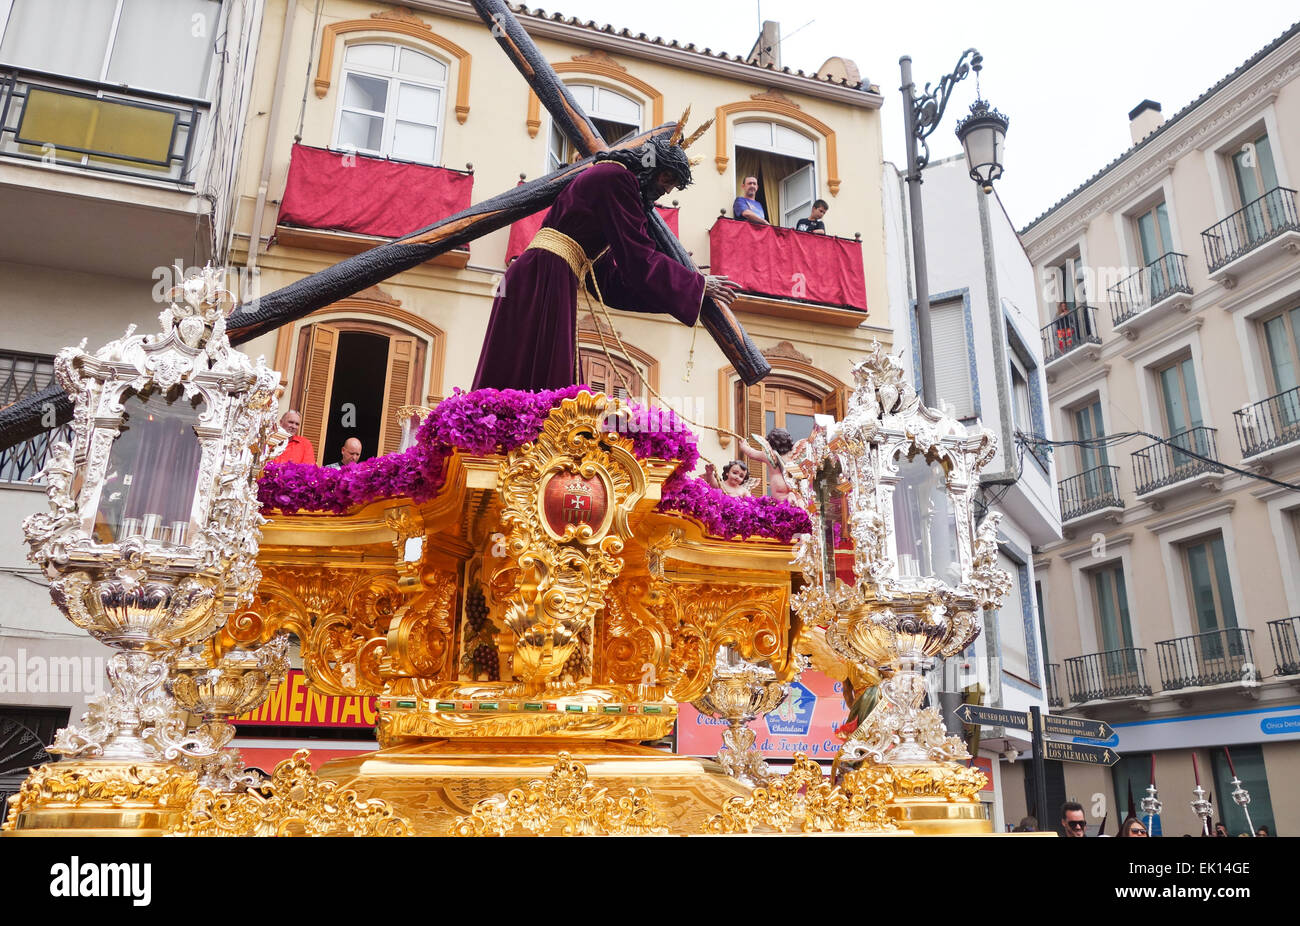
(788, 264)
(368, 196)
(522, 231)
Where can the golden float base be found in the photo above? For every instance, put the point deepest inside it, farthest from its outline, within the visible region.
(432, 783)
(100, 797)
(933, 799)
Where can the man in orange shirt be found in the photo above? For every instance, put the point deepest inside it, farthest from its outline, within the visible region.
(299, 449)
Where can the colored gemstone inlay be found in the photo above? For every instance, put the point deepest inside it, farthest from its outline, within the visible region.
(612, 709)
(488, 706)
(467, 705)
(653, 709)
(406, 704)
(445, 706)
(574, 708)
(532, 705)
(552, 706)
(632, 708)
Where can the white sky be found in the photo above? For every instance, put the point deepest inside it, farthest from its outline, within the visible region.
(1066, 78)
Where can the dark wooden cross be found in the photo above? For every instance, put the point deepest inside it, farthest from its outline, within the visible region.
(29, 417)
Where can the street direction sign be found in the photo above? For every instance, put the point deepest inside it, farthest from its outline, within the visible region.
(1077, 726)
(996, 716)
(1079, 752)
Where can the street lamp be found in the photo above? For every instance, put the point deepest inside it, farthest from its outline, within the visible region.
(983, 136)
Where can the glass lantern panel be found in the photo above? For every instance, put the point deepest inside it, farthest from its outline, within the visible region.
(925, 523)
(153, 469)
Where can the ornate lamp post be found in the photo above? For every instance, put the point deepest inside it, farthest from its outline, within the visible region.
(149, 545)
(983, 135)
(899, 479)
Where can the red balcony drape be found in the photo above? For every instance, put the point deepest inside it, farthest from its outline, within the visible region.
(788, 264)
(368, 196)
(522, 231)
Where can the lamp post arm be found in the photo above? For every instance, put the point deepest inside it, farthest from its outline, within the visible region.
(928, 107)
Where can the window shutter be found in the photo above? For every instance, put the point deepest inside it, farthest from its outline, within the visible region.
(835, 403)
(318, 384)
(596, 372)
(951, 358)
(397, 391)
(749, 420)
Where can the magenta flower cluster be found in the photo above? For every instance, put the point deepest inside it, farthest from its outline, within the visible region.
(489, 421)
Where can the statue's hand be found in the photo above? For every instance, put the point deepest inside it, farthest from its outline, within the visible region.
(720, 289)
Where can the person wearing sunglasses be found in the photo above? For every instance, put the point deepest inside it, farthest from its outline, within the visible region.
(1072, 821)
(1132, 826)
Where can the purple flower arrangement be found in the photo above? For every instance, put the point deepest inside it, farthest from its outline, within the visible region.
(490, 421)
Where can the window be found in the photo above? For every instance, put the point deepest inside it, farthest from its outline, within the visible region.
(1065, 284)
(782, 402)
(1208, 584)
(1155, 241)
(1254, 177)
(617, 116)
(1012, 643)
(952, 373)
(160, 45)
(1114, 631)
(1088, 426)
(783, 160)
(339, 392)
(612, 374)
(1248, 762)
(1282, 343)
(392, 103)
(1180, 404)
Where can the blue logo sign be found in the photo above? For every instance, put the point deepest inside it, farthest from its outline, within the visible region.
(1112, 740)
(794, 716)
(1272, 726)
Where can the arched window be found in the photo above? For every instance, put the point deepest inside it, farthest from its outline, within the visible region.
(615, 114)
(784, 161)
(392, 103)
(612, 374)
(352, 376)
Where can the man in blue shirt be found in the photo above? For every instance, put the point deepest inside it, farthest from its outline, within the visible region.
(747, 207)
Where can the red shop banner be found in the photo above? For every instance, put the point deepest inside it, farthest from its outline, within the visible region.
(807, 721)
(295, 704)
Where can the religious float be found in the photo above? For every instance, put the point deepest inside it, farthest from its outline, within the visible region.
(529, 591)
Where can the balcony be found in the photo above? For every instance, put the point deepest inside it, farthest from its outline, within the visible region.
(97, 126)
(1071, 330)
(345, 202)
(1150, 294)
(1252, 235)
(22, 375)
(1114, 674)
(790, 274)
(1284, 634)
(1270, 425)
(1216, 657)
(1187, 459)
(1054, 698)
(1094, 493)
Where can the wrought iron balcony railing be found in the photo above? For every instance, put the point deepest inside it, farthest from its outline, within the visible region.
(1250, 226)
(21, 375)
(1216, 657)
(1160, 465)
(1154, 283)
(1069, 331)
(1284, 634)
(1116, 673)
(1092, 490)
(1054, 698)
(97, 126)
(1267, 425)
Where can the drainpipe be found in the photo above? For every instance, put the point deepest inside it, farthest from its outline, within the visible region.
(277, 93)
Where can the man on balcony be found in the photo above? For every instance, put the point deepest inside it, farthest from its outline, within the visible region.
(747, 207)
(596, 239)
(814, 221)
(299, 448)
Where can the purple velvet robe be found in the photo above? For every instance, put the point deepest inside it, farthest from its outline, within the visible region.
(531, 334)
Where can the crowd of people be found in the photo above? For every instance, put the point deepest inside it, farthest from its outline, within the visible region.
(1075, 825)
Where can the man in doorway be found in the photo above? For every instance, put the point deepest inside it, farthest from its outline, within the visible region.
(299, 448)
(814, 221)
(1073, 823)
(351, 453)
(747, 207)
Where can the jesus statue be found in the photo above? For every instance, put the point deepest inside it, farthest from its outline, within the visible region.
(595, 236)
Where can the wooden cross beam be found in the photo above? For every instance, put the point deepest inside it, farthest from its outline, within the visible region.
(578, 128)
(33, 415)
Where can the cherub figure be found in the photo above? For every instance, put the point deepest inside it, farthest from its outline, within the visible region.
(735, 480)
